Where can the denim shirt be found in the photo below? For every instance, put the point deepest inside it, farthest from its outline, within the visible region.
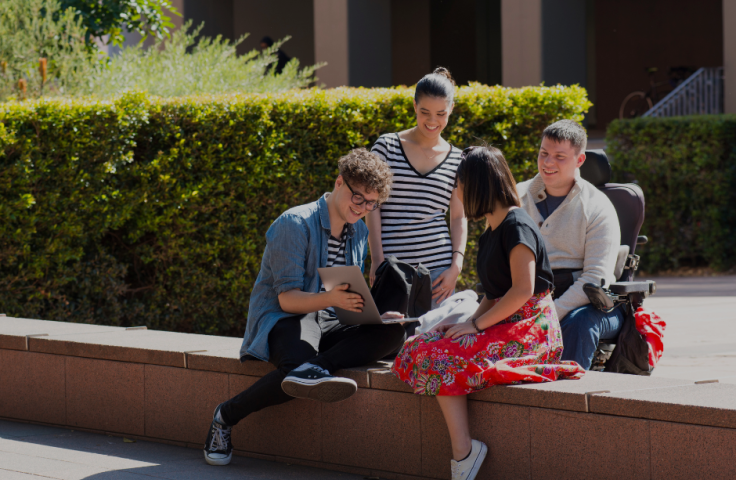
(296, 245)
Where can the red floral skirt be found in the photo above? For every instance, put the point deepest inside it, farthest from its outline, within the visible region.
(525, 347)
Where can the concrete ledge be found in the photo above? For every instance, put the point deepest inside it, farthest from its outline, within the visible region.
(164, 386)
(712, 404)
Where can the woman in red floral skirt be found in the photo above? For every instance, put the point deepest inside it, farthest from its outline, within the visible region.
(514, 335)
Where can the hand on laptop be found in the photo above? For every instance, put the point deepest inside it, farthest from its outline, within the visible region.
(341, 298)
(392, 316)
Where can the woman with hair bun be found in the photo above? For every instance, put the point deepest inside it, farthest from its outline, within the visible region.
(411, 225)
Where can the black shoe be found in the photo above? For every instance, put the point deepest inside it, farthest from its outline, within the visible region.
(315, 383)
(218, 450)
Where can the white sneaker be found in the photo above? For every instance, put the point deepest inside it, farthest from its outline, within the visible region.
(467, 469)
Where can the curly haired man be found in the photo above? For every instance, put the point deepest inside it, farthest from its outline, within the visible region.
(291, 322)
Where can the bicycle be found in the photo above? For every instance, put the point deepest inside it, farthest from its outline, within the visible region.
(637, 103)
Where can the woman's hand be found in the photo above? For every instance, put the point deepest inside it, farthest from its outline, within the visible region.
(444, 285)
(374, 266)
(457, 330)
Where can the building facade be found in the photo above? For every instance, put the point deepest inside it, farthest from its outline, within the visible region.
(603, 45)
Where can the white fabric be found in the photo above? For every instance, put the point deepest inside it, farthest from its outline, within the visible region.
(455, 309)
(582, 233)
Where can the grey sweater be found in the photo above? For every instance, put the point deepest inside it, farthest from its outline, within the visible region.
(582, 233)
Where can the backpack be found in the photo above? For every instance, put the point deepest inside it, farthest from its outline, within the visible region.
(631, 354)
(399, 287)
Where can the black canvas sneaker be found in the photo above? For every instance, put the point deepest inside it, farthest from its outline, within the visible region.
(315, 383)
(218, 450)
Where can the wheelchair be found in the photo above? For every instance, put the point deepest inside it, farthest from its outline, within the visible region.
(628, 200)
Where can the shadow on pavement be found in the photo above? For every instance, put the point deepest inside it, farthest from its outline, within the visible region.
(30, 451)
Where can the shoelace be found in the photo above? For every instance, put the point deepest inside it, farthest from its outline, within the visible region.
(320, 369)
(220, 438)
(456, 472)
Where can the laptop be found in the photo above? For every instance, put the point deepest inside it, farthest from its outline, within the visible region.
(334, 276)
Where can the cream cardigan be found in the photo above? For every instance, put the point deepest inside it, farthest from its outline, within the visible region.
(582, 233)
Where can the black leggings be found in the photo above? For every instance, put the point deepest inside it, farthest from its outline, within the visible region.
(317, 338)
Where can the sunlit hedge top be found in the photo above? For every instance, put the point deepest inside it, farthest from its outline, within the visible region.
(153, 211)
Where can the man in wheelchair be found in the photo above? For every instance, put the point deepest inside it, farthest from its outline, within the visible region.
(583, 239)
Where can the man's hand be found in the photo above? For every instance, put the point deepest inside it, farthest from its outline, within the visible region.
(457, 330)
(339, 297)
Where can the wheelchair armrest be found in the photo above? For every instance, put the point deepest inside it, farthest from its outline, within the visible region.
(624, 288)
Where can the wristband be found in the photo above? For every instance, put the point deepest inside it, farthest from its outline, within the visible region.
(458, 251)
(476, 326)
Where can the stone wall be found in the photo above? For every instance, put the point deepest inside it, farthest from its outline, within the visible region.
(163, 387)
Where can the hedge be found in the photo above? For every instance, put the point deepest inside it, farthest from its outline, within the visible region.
(687, 169)
(150, 211)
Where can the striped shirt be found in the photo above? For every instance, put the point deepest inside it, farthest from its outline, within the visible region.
(413, 224)
(335, 255)
(336, 250)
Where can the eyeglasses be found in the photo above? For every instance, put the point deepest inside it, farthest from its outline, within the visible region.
(359, 199)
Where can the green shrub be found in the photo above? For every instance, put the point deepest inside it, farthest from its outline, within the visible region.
(35, 29)
(153, 211)
(39, 32)
(188, 64)
(687, 169)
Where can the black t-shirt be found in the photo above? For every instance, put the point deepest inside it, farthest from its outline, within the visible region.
(494, 251)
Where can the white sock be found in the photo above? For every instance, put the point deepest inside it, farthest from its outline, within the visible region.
(218, 418)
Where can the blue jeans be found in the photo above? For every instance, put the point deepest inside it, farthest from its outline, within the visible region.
(584, 327)
(433, 274)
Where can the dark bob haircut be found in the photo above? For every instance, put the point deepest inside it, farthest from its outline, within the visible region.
(487, 181)
(437, 84)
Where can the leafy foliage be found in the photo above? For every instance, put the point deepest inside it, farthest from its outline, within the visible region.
(687, 169)
(153, 211)
(112, 18)
(35, 29)
(43, 52)
(191, 65)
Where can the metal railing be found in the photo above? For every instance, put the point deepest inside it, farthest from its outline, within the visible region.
(700, 94)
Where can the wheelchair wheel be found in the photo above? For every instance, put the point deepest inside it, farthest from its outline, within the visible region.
(634, 105)
(601, 356)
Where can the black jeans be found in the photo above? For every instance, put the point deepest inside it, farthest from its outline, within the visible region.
(317, 338)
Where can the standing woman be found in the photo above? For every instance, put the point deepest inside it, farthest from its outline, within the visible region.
(411, 225)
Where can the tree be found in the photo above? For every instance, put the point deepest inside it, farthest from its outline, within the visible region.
(113, 18)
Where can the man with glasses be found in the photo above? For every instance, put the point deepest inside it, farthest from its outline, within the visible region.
(291, 322)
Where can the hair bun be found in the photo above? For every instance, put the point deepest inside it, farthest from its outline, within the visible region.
(445, 73)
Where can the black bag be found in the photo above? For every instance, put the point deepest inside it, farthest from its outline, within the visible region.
(631, 354)
(563, 280)
(399, 287)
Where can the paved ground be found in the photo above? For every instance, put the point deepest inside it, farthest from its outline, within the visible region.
(700, 344)
(34, 452)
(700, 340)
